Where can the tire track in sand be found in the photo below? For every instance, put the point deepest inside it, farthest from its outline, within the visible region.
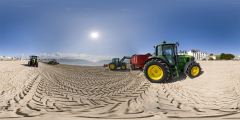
(81, 92)
(92, 92)
(209, 96)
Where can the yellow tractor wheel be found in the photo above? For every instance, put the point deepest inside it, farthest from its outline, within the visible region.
(123, 67)
(193, 70)
(156, 71)
(112, 66)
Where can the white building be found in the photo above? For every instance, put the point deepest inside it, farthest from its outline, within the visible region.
(195, 53)
(237, 57)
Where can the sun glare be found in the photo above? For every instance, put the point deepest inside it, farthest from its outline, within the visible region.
(94, 35)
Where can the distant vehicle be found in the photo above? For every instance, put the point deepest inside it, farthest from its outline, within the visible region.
(33, 61)
(166, 64)
(53, 62)
(105, 65)
(137, 61)
(117, 63)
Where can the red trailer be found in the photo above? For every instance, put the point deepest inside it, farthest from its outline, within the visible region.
(137, 61)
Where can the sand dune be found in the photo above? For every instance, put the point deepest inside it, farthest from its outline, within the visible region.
(74, 92)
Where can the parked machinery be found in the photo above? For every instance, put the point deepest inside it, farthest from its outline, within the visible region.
(137, 61)
(166, 64)
(117, 63)
(33, 61)
(53, 62)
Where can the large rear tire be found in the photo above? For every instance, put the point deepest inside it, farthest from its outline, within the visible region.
(193, 70)
(156, 71)
(112, 66)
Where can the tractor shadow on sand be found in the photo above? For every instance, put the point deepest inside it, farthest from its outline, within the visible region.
(181, 78)
(25, 65)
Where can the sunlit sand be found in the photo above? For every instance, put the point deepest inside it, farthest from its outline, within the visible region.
(74, 92)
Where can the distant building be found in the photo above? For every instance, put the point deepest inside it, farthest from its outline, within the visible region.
(237, 57)
(197, 54)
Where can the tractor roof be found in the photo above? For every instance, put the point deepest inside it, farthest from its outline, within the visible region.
(33, 56)
(165, 43)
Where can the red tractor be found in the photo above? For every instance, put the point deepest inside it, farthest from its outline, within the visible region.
(137, 61)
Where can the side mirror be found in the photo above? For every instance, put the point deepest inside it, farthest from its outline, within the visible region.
(177, 43)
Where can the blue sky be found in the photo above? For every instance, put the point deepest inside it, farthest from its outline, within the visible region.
(126, 27)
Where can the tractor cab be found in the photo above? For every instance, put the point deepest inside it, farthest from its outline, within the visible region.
(116, 61)
(34, 57)
(168, 51)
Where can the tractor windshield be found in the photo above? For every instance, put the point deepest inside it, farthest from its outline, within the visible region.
(115, 60)
(168, 51)
(165, 50)
(33, 57)
(159, 50)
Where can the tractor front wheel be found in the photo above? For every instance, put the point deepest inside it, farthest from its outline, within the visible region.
(156, 71)
(193, 70)
(124, 67)
(112, 66)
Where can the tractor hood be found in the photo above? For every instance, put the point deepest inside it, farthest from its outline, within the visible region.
(186, 57)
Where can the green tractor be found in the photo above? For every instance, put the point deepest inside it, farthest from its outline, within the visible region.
(167, 64)
(117, 63)
(33, 61)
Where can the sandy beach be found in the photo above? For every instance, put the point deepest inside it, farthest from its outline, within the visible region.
(66, 92)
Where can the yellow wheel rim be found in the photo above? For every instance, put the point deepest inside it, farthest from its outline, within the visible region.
(123, 67)
(195, 71)
(155, 72)
(112, 66)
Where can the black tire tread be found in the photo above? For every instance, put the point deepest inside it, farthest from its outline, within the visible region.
(166, 68)
(188, 69)
(110, 68)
